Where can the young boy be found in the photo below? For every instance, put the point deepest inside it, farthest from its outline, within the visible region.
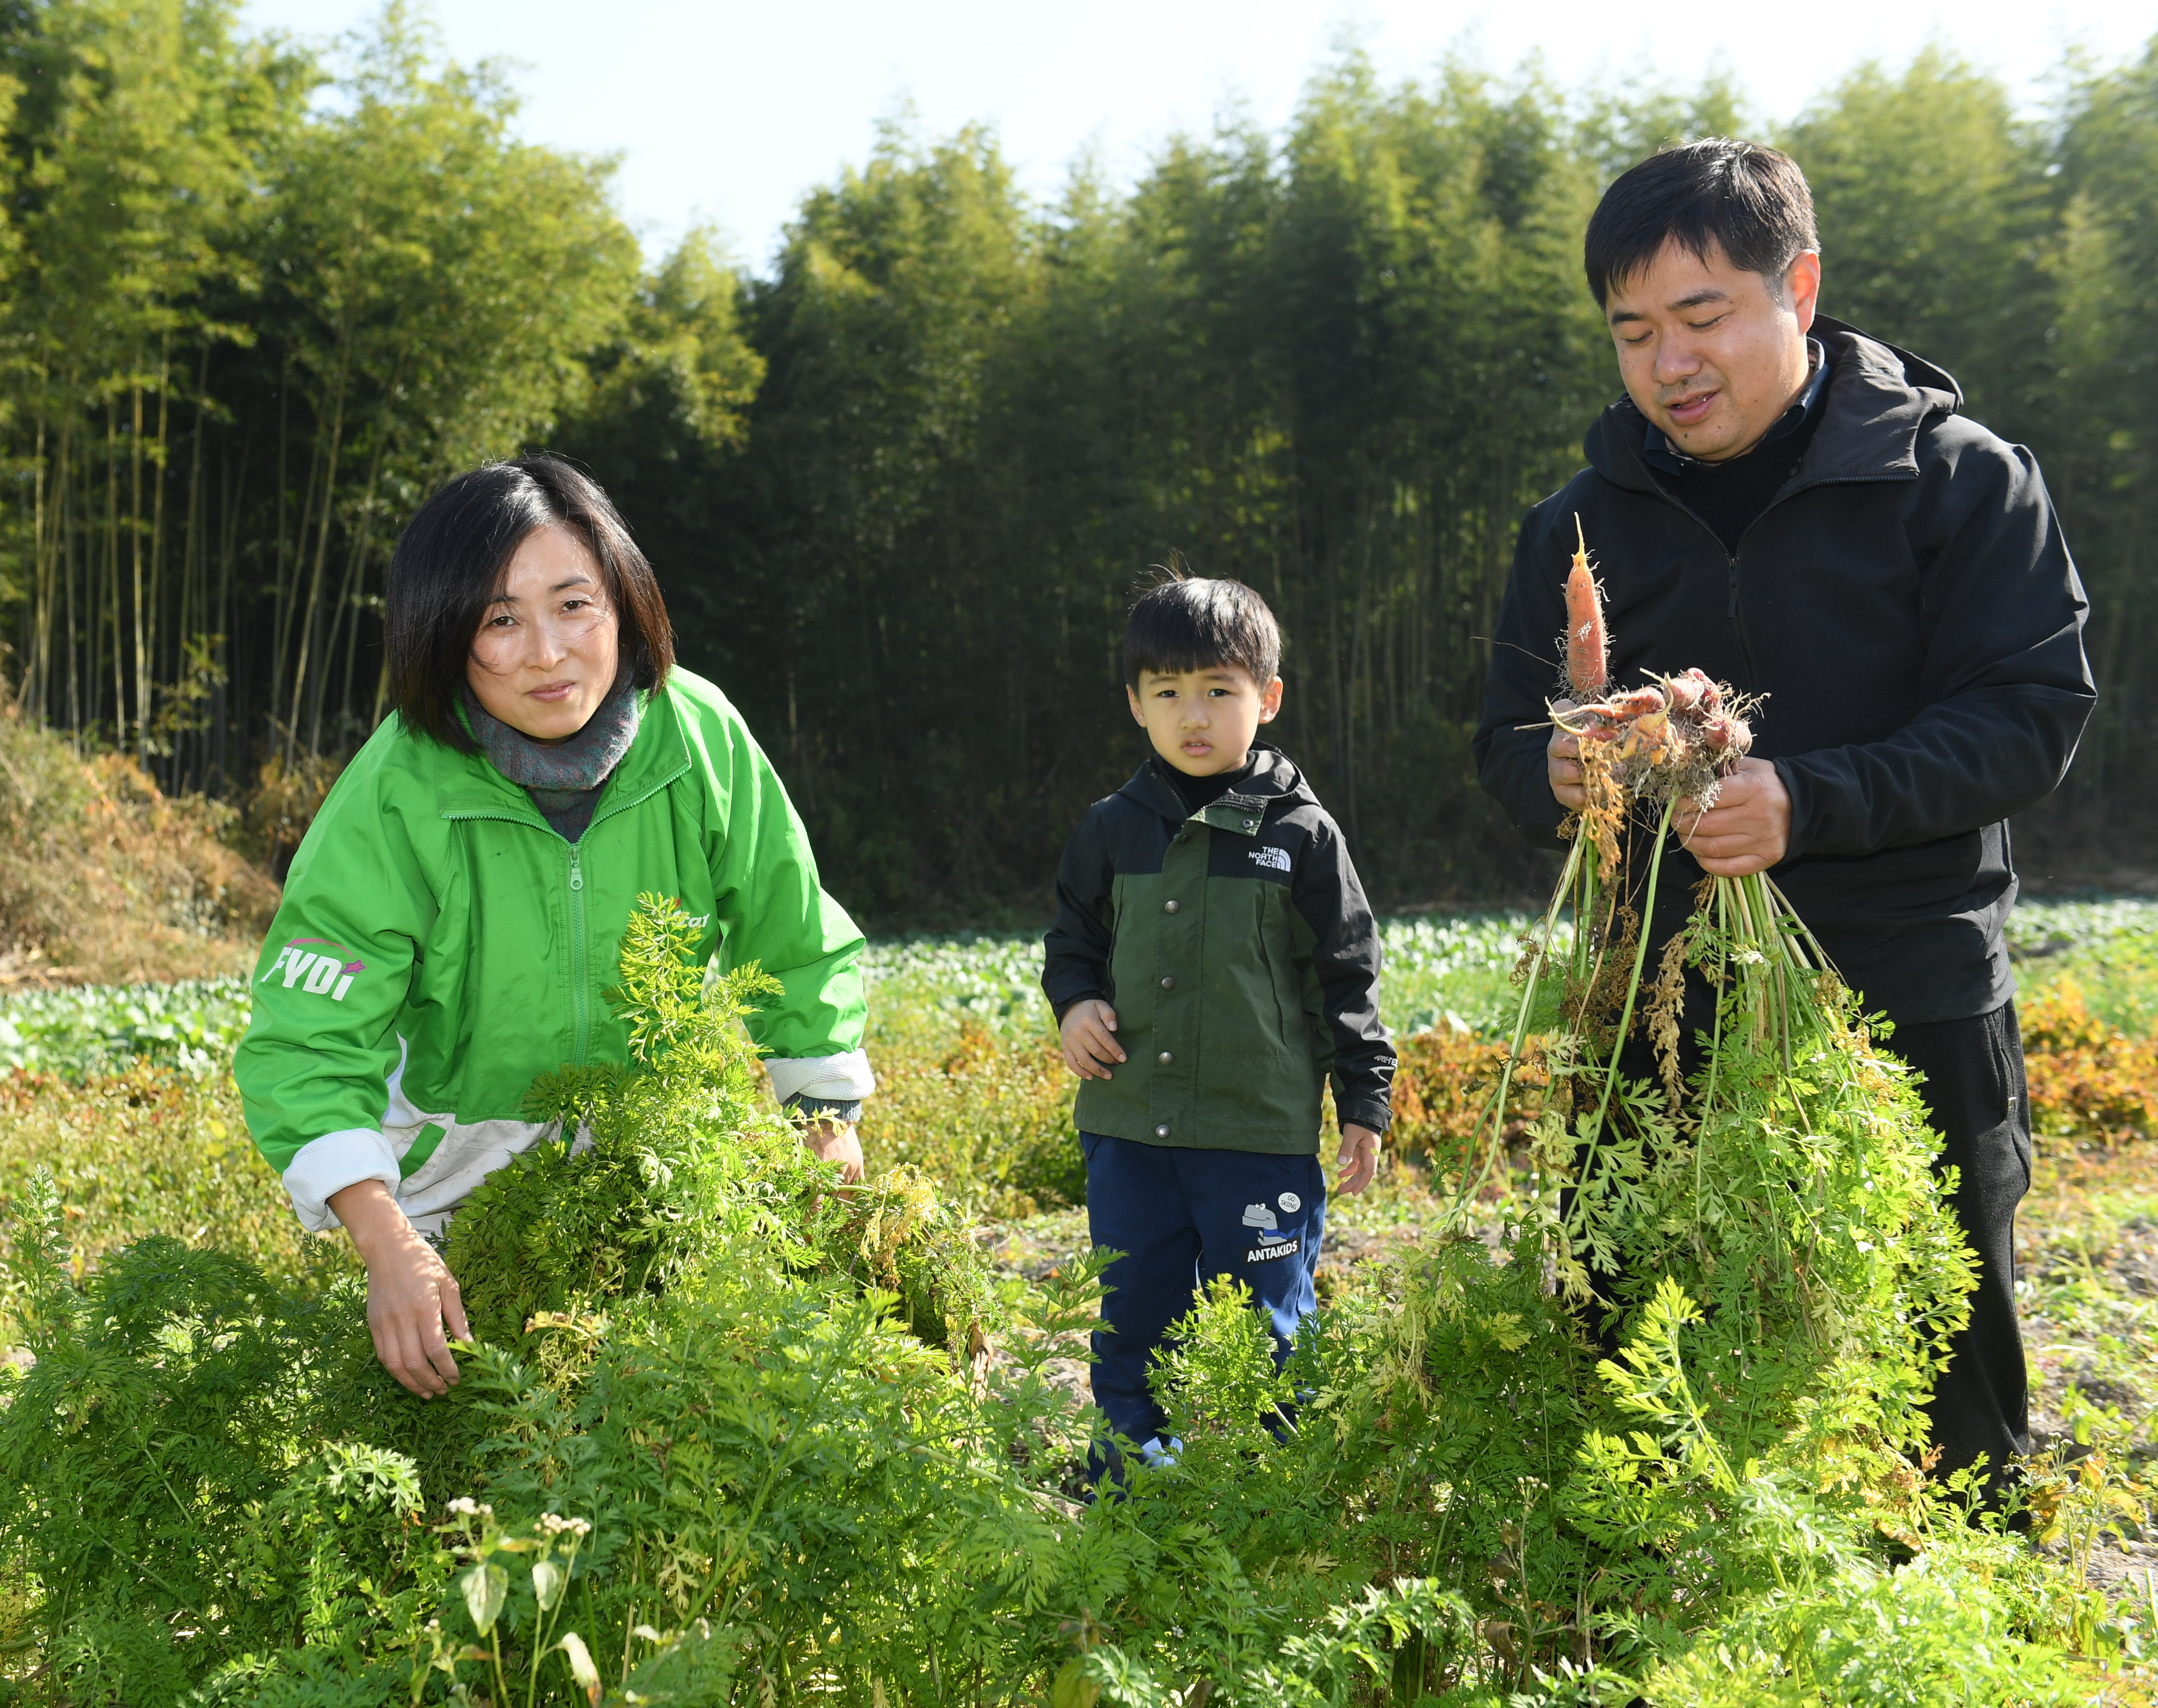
(1213, 959)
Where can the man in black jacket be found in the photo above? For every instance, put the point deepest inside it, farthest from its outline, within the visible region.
(1798, 510)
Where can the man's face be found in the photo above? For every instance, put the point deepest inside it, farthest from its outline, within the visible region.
(1710, 352)
(1202, 721)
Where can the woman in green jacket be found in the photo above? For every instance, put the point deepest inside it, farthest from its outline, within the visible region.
(457, 907)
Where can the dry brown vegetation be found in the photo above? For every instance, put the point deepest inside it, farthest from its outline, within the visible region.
(1443, 1089)
(105, 878)
(2092, 1082)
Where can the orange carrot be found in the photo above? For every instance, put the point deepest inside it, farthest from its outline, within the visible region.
(1726, 735)
(1686, 693)
(1587, 665)
(1636, 702)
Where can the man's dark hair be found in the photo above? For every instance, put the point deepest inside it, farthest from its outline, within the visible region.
(1189, 622)
(448, 567)
(1751, 201)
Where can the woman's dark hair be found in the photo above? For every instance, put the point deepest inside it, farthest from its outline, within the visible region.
(448, 567)
(1751, 201)
(1189, 622)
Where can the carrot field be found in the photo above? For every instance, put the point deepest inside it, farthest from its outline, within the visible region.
(867, 1414)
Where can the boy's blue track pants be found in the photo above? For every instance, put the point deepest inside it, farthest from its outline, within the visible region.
(1181, 1217)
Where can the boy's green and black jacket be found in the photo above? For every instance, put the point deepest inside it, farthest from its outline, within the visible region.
(1237, 949)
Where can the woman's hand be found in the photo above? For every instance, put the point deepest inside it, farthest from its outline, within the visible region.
(411, 1296)
(831, 1140)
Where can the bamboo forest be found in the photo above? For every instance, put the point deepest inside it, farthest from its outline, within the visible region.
(899, 478)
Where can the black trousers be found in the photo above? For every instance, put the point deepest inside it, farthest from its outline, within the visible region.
(1975, 1094)
(1974, 1090)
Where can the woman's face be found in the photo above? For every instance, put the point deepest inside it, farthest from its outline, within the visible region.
(548, 648)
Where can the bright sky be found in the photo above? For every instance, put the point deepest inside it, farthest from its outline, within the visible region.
(726, 112)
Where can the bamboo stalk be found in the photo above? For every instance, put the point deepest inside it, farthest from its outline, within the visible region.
(147, 685)
(190, 544)
(112, 574)
(67, 565)
(35, 693)
(344, 613)
(307, 628)
(135, 542)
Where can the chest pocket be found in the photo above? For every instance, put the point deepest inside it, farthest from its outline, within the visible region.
(1254, 1004)
(1274, 928)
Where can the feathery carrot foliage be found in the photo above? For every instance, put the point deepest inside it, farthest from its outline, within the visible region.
(738, 1435)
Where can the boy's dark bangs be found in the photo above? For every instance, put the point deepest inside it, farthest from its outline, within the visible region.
(1178, 654)
(1196, 624)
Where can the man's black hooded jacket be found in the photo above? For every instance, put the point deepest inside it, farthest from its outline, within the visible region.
(1908, 607)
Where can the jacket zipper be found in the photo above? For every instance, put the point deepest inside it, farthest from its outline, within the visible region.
(579, 1004)
(1739, 622)
(580, 1001)
(1731, 557)
(1730, 554)
(580, 995)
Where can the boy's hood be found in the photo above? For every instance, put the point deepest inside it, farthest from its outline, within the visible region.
(1273, 777)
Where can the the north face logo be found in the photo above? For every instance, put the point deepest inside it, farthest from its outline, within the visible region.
(302, 959)
(1274, 859)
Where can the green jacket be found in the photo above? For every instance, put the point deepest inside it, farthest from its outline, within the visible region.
(1240, 955)
(439, 945)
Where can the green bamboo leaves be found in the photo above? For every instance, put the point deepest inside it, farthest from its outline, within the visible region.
(247, 325)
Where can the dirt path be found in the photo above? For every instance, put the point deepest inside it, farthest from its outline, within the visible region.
(2087, 1284)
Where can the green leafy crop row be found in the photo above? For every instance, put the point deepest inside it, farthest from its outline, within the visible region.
(1436, 965)
(737, 1434)
(85, 1029)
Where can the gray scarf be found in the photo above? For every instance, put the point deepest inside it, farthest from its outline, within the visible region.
(564, 778)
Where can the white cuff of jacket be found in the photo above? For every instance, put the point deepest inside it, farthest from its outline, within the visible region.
(332, 1163)
(833, 1079)
(328, 1165)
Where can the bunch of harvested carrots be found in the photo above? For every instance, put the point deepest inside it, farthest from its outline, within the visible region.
(1671, 739)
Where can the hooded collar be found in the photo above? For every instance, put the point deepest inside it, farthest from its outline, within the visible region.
(1876, 400)
(1242, 810)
